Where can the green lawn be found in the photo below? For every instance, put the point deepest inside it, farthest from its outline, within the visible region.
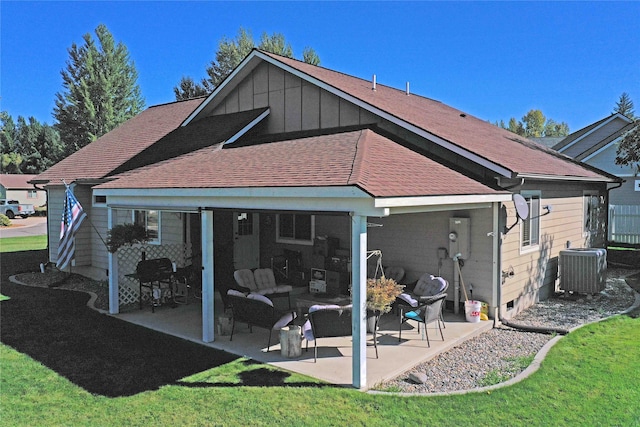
(18, 244)
(591, 377)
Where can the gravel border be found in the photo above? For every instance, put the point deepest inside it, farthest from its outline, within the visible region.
(503, 355)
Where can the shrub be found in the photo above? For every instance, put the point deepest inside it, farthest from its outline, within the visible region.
(4, 221)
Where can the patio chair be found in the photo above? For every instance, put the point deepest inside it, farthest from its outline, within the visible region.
(257, 310)
(262, 281)
(426, 312)
(426, 288)
(330, 321)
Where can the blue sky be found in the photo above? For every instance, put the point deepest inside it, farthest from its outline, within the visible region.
(495, 60)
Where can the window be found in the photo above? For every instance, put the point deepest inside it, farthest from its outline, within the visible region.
(295, 228)
(150, 220)
(245, 224)
(591, 208)
(530, 228)
(32, 194)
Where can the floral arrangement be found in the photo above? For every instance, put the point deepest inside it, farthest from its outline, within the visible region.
(381, 293)
(125, 234)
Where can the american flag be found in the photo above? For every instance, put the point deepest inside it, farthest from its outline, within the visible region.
(72, 217)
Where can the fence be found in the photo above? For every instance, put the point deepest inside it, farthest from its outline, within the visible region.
(624, 224)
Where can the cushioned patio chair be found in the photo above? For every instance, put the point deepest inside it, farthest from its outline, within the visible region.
(262, 281)
(257, 310)
(427, 288)
(330, 321)
(426, 312)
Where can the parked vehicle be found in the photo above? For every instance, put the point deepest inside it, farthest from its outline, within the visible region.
(13, 208)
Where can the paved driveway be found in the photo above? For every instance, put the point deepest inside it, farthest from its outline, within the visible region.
(32, 226)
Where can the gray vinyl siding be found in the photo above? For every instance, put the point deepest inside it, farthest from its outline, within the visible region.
(606, 160)
(626, 194)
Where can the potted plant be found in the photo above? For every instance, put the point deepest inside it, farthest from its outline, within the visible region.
(381, 293)
(125, 234)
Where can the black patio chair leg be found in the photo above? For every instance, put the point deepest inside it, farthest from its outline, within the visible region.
(269, 342)
(233, 325)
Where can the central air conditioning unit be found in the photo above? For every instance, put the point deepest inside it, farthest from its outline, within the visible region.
(583, 270)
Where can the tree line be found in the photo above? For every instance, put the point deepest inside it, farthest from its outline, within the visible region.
(100, 91)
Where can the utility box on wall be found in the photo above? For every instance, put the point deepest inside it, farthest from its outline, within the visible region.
(459, 237)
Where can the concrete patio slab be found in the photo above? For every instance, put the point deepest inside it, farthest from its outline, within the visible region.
(334, 354)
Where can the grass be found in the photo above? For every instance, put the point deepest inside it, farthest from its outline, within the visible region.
(64, 364)
(29, 243)
(589, 378)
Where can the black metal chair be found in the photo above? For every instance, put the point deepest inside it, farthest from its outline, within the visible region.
(425, 312)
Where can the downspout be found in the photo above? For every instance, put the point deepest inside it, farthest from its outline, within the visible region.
(607, 206)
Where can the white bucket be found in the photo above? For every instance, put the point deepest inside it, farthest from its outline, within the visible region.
(472, 310)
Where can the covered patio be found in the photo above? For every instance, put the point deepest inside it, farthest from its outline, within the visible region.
(334, 363)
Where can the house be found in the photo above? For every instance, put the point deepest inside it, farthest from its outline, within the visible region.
(287, 159)
(17, 187)
(597, 145)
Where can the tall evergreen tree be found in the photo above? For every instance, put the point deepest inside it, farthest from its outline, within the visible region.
(28, 146)
(624, 106)
(229, 55)
(11, 160)
(100, 90)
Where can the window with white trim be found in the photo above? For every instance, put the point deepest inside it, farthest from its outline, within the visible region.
(32, 194)
(295, 228)
(151, 221)
(530, 227)
(591, 204)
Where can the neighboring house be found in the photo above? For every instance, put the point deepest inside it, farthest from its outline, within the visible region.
(597, 145)
(17, 187)
(283, 152)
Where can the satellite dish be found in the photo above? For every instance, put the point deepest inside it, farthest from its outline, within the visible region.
(522, 208)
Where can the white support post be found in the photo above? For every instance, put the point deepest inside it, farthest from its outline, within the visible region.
(359, 296)
(114, 285)
(207, 276)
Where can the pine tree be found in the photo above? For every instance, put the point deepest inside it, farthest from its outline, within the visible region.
(624, 106)
(229, 55)
(100, 90)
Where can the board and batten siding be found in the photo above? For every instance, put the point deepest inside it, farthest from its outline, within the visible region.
(294, 103)
(535, 270)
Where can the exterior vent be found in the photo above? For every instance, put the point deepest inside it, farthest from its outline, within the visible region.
(583, 270)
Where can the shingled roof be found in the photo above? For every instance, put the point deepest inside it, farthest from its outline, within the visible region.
(361, 158)
(104, 155)
(498, 146)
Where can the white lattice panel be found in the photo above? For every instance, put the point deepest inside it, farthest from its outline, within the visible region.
(130, 256)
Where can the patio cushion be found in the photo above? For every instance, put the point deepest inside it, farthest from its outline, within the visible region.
(408, 299)
(284, 320)
(260, 297)
(235, 293)
(266, 283)
(429, 285)
(245, 279)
